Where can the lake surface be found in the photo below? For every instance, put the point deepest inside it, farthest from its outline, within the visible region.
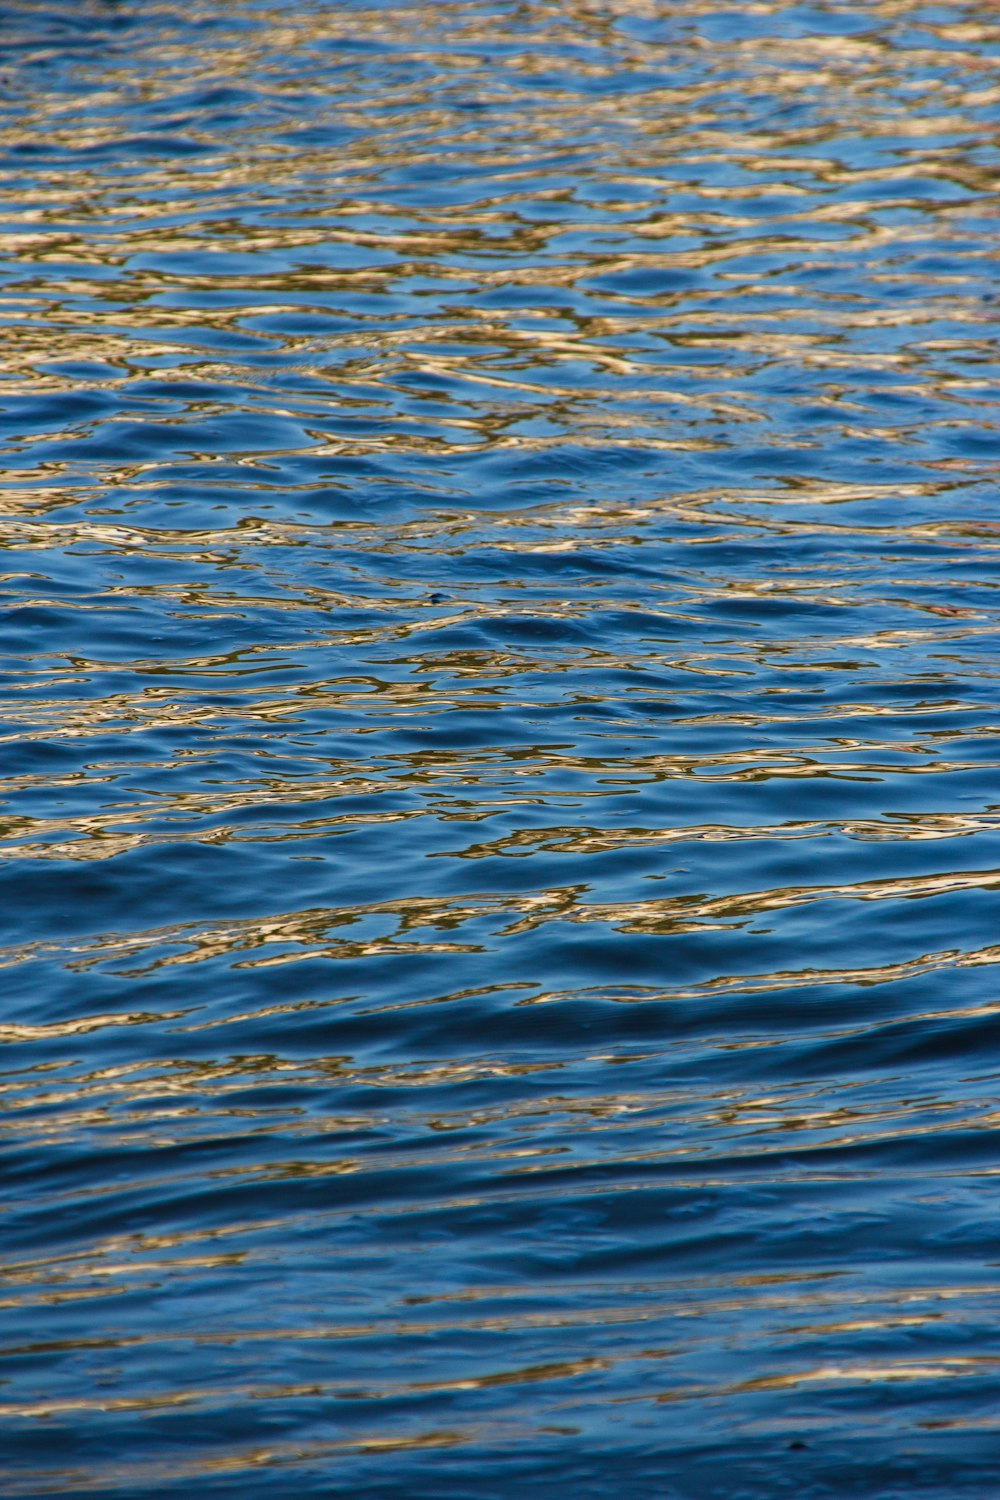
(500, 755)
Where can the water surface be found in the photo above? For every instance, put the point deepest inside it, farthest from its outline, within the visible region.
(501, 817)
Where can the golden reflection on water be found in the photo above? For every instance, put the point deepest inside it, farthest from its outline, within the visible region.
(499, 763)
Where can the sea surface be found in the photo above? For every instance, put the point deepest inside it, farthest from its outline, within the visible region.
(500, 750)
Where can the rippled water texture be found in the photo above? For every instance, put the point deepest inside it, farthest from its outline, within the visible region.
(500, 755)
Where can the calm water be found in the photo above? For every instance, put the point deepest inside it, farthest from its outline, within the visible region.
(500, 749)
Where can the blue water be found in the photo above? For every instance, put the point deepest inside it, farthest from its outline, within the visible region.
(499, 754)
